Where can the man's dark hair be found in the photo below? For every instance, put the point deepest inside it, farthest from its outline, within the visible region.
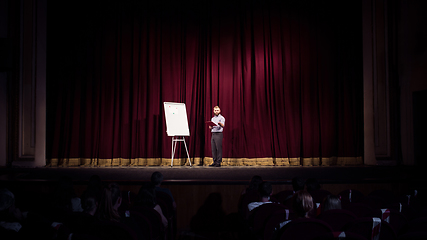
(255, 182)
(156, 178)
(146, 196)
(312, 184)
(265, 189)
(298, 184)
(331, 202)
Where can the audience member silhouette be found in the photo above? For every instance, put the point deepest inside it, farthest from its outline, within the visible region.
(84, 222)
(318, 194)
(298, 184)
(10, 216)
(302, 203)
(15, 224)
(253, 184)
(147, 197)
(331, 202)
(209, 218)
(250, 194)
(93, 190)
(156, 180)
(265, 191)
(64, 200)
(110, 202)
(90, 205)
(312, 184)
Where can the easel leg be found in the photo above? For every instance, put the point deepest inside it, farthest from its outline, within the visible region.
(188, 155)
(173, 152)
(174, 148)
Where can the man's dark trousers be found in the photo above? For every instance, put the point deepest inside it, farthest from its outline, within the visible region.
(216, 143)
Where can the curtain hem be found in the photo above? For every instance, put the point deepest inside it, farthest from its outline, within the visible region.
(268, 161)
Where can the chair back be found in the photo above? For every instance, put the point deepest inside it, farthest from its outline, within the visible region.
(168, 203)
(350, 196)
(399, 222)
(272, 224)
(387, 196)
(261, 214)
(284, 195)
(348, 236)
(158, 230)
(307, 229)
(374, 202)
(418, 225)
(128, 199)
(413, 236)
(337, 218)
(115, 231)
(139, 223)
(319, 195)
(371, 228)
(360, 210)
(80, 222)
(245, 199)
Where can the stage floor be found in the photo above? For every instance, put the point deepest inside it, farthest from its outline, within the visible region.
(222, 175)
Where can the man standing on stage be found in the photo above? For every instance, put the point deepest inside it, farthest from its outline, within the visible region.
(216, 139)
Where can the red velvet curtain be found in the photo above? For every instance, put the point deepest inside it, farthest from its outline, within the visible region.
(286, 74)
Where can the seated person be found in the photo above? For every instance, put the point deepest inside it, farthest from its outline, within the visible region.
(253, 185)
(156, 180)
(298, 184)
(265, 191)
(248, 195)
(331, 202)
(147, 197)
(210, 217)
(10, 216)
(15, 224)
(94, 189)
(84, 222)
(312, 185)
(110, 202)
(302, 204)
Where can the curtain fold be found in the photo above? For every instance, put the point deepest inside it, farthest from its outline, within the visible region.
(287, 76)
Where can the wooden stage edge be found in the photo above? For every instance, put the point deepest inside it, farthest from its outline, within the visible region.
(221, 175)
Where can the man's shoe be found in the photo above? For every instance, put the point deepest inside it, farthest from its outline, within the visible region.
(213, 165)
(218, 165)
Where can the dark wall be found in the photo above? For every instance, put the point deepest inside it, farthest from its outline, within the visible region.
(412, 66)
